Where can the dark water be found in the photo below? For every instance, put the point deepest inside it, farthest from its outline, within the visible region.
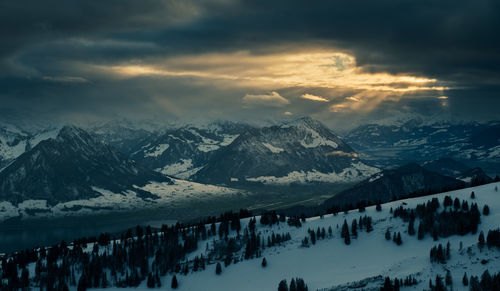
(16, 235)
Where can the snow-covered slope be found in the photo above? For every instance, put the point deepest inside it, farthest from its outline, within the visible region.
(165, 194)
(15, 141)
(183, 151)
(330, 264)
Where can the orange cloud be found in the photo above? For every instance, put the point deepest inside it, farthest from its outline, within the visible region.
(314, 98)
(274, 99)
(327, 69)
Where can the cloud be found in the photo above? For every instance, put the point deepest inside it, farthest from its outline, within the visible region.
(314, 98)
(337, 107)
(443, 97)
(274, 100)
(65, 79)
(311, 68)
(188, 55)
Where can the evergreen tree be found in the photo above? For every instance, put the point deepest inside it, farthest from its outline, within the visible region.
(293, 286)
(301, 285)
(218, 269)
(387, 285)
(486, 210)
(435, 234)
(174, 284)
(439, 284)
(313, 237)
(157, 279)
(387, 234)
(264, 262)
(368, 223)
(345, 233)
(421, 232)
(151, 281)
(472, 195)
(82, 283)
(396, 284)
(486, 281)
(282, 286)
(447, 201)
(448, 280)
(104, 280)
(354, 229)
(481, 239)
(411, 227)
(474, 284)
(399, 241)
(25, 278)
(465, 280)
(378, 207)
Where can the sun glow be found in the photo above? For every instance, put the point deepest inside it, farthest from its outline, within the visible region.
(329, 70)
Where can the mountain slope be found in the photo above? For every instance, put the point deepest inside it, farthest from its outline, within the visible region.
(68, 167)
(327, 263)
(475, 176)
(181, 152)
(446, 166)
(300, 151)
(15, 141)
(390, 184)
(477, 144)
(122, 136)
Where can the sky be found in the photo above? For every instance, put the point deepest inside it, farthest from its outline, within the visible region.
(342, 62)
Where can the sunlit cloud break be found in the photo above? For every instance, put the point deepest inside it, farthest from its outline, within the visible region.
(274, 100)
(333, 71)
(321, 69)
(314, 98)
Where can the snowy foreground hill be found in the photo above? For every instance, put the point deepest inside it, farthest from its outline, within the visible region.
(328, 264)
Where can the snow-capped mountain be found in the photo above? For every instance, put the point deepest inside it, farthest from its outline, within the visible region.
(15, 141)
(300, 151)
(69, 167)
(475, 143)
(395, 184)
(123, 136)
(183, 151)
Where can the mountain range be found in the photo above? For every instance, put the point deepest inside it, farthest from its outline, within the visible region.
(68, 163)
(301, 151)
(477, 144)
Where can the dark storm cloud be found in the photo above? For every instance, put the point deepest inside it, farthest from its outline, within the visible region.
(46, 45)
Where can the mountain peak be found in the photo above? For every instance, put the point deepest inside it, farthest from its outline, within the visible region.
(304, 121)
(75, 135)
